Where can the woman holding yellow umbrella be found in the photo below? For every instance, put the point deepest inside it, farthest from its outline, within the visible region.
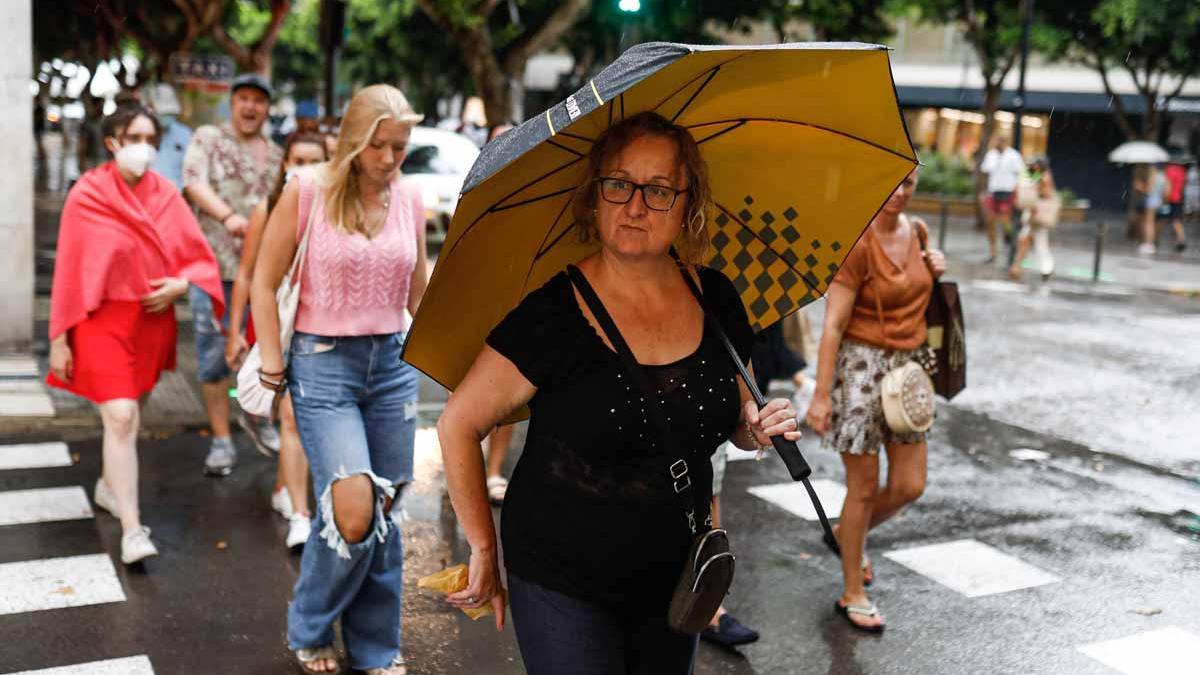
(760, 164)
(589, 470)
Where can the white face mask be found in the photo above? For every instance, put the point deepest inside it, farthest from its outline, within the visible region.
(136, 157)
(290, 174)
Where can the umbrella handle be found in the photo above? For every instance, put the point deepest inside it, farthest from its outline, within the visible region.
(788, 451)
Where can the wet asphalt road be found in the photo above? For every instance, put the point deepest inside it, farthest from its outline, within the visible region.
(1110, 512)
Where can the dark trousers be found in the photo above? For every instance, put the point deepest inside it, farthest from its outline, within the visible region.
(561, 635)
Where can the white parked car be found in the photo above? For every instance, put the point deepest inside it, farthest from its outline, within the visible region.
(438, 161)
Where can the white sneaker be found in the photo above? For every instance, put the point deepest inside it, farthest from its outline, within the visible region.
(1147, 249)
(281, 501)
(104, 498)
(299, 527)
(136, 545)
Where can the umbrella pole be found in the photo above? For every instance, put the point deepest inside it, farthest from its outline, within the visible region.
(788, 451)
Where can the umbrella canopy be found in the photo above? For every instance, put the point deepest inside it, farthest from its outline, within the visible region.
(1138, 152)
(804, 143)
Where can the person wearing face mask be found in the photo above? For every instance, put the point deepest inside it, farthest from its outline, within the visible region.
(290, 496)
(175, 134)
(128, 248)
(227, 170)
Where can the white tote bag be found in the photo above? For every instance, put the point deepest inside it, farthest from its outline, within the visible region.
(253, 397)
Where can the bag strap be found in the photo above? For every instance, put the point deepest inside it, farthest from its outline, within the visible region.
(689, 499)
(788, 451)
(297, 268)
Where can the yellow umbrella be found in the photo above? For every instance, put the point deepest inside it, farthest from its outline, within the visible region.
(804, 143)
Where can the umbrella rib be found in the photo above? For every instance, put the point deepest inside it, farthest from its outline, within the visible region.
(492, 208)
(747, 228)
(554, 243)
(576, 137)
(565, 148)
(689, 83)
(819, 127)
(738, 125)
(711, 74)
(497, 209)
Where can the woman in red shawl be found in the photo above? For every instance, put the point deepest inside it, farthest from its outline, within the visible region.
(128, 246)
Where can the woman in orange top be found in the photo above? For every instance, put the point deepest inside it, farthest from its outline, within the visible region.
(874, 322)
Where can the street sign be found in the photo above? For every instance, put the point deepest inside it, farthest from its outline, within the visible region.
(208, 72)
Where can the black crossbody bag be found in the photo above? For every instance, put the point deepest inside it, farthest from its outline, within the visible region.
(708, 570)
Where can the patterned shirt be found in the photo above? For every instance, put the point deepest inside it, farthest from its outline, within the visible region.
(217, 157)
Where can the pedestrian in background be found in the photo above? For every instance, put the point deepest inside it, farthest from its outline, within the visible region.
(176, 136)
(594, 536)
(1172, 209)
(874, 322)
(1003, 166)
(227, 171)
(290, 496)
(1156, 191)
(1037, 222)
(128, 247)
(355, 400)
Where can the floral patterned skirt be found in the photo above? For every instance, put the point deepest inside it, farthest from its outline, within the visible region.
(858, 425)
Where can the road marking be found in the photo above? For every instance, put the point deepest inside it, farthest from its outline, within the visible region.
(34, 456)
(22, 507)
(971, 567)
(58, 582)
(26, 404)
(793, 498)
(1163, 651)
(133, 665)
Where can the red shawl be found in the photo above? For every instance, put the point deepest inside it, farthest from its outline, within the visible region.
(113, 239)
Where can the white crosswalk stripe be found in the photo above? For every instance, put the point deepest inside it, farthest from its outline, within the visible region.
(793, 498)
(971, 567)
(34, 456)
(22, 507)
(1164, 651)
(54, 583)
(133, 665)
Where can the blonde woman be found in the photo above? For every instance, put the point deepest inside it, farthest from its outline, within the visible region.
(355, 401)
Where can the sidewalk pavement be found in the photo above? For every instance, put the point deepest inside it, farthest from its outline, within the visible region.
(1074, 248)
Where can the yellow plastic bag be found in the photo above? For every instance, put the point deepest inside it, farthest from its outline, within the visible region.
(453, 580)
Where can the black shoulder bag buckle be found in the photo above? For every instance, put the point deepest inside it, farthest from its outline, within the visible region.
(708, 571)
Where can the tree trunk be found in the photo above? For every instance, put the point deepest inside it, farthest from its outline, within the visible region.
(991, 103)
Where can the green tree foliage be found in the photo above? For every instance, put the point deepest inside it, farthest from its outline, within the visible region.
(1157, 42)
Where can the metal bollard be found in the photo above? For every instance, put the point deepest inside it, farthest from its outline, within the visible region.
(1101, 231)
(942, 225)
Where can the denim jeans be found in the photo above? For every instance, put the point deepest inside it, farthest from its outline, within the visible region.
(561, 635)
(356, 410)
(210, 336)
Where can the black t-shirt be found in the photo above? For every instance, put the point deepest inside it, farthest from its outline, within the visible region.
(590, 511)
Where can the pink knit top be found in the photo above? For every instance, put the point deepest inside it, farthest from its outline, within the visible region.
(352, 285)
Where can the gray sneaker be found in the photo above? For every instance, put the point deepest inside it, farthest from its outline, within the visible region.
(221, 459)
(261, 431)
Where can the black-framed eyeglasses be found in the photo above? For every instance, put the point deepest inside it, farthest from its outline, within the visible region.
(655, 197)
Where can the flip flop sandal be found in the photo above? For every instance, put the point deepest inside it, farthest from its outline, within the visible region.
(496, 487)
(831, 544)
(306, 657)
(870, 611)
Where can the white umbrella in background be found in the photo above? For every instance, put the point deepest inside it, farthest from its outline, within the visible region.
(1138, 152)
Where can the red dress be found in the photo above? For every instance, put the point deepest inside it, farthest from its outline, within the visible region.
(113, 241)
(119, 351)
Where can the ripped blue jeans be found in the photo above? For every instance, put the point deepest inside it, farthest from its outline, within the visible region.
(356, 410)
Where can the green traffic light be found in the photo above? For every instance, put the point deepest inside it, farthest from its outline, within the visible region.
(630, 5)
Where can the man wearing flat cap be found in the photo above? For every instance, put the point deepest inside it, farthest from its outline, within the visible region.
(227, 171)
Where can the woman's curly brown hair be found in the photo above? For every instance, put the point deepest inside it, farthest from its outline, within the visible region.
(693, 241)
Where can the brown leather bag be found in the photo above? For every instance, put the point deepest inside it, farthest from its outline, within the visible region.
(945, 332)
